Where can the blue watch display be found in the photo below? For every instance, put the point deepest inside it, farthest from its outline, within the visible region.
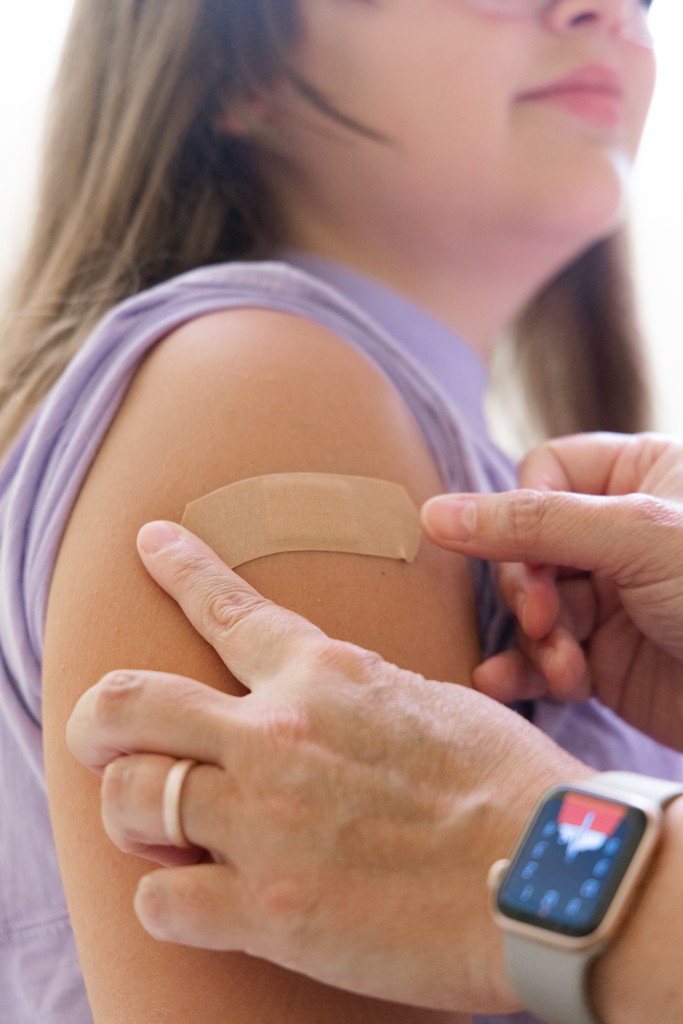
(571, 862)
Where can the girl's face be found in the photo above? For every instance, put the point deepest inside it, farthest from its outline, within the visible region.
(493, 121)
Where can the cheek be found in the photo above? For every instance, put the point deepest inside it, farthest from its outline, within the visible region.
(646, 79)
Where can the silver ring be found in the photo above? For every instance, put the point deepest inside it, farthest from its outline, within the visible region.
(170, 802)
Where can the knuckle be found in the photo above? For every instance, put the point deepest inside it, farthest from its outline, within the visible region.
(656, 536)
(646, 509)
(340, 659)
(125, 788)
(286, 902)
(115, 784)
(224, 612)
(647, 450)
(219, 606)
(524, 517)
(113, 696)
(654, 525)
(282, 726)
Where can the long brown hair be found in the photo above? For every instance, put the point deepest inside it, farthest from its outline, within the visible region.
(579, 351)
(138, 185)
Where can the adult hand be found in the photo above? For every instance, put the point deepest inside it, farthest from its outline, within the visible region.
(351, 809)
(610, 628)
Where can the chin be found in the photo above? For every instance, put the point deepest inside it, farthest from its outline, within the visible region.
(587, 211)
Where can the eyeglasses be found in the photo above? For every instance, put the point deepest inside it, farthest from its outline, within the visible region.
(634, 24)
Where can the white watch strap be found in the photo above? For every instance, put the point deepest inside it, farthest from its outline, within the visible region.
(659, 791)
(551, 982)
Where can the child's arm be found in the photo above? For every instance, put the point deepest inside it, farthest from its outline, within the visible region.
(230, 396)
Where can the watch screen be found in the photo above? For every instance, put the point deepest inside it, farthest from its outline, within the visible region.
(571, 862)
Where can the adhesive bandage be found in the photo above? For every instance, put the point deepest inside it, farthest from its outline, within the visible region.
(267, 515)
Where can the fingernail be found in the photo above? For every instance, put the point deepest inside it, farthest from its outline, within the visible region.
(450, 518)
(156, 537)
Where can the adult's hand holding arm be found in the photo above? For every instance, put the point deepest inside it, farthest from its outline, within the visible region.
(351, 808)
(609, 508)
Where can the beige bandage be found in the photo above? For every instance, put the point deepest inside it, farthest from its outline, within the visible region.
(266, 515)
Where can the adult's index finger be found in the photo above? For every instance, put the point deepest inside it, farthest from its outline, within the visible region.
(253, 636)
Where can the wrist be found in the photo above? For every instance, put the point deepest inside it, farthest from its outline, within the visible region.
(564, 897)
(562, 769)
(637, 978)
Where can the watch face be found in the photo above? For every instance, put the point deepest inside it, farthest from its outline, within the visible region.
(571, 861)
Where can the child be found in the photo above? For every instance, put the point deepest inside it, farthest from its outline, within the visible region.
(366, 193)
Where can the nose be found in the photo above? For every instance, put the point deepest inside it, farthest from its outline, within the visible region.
(625, 18)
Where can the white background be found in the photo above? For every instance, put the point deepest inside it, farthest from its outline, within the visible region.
(30, 36)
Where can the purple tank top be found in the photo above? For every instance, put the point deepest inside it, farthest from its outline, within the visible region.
(443, 384)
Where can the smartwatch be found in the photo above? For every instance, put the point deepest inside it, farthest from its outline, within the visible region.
(563, 893)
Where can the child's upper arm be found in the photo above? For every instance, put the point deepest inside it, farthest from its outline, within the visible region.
(227, 397)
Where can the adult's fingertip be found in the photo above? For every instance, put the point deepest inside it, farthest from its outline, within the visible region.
(537, 604)
(449, 518)
(566, 669)
(151, 907)
(509, 677)
(157, 536)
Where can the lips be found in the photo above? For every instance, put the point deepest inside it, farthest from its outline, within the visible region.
(593, 93)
